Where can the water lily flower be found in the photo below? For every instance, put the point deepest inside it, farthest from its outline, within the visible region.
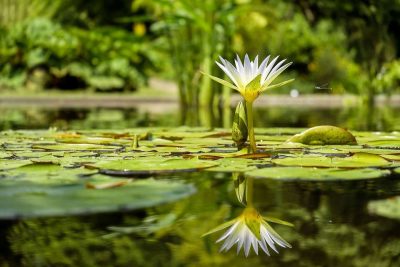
(250, 79)
(251, 229)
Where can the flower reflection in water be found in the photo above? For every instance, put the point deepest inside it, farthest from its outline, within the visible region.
(250, 229)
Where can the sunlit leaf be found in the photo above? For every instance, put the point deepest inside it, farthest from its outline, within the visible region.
(324, 135)
(151, 165)
(316, 174)
(358, 160)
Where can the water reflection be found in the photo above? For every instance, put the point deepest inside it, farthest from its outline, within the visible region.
(250, 229)
(332, 228)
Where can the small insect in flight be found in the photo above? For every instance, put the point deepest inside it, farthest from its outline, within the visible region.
(324, 86)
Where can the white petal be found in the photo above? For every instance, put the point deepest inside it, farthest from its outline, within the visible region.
(263, 64)
(247, 69)
(228, 232)
(239, 66)
(242, 236)
(255, 66)
(228, 73)
(264, 246)
(229, 242)
(275, 69)
(233, 238)
(254, 242)
(247, 242)
(235, 73)
(265, 235)
(278, 240)
(268, 68)
(279, 71)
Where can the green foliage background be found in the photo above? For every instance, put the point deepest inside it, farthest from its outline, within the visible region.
(102, 45)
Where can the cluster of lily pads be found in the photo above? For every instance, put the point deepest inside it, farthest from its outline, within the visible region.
(45, 173)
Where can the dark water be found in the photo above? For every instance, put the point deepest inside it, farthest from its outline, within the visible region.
(332, 227)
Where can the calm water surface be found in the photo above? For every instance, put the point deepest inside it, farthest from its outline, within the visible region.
(332, 227)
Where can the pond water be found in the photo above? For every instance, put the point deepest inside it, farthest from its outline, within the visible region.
(332, 222)
(331, 228)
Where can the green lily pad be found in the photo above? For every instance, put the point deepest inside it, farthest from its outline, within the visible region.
(153, 165)
(389, 208)
(47, 174)
(4, 155)
(316, 174)
(77, 147)
(390, 141)
(358, 160)
(7, 164)
(392, 157)
(235, 165)
(23, 199)
(324, 135)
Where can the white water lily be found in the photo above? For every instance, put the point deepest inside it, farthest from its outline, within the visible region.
(250, 78)
(250, 229)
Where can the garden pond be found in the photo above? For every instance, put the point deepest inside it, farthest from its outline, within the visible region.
(145, 196)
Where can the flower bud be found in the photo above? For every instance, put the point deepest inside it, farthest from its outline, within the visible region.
(239, 127)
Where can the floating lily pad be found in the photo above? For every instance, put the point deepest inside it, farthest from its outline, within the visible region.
(7, 164)
(47, 174)
(389, 208)
(358, 160)
(316, 174)
(392, 157)
(236, 165)
(94, 140)
(77, 147)
(4, 155)
(153, 165)
(24, 199)
(381, 141)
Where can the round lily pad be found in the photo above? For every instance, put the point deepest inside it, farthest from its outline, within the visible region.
(316, 174)
(77, 147)
(151, 165)
(235, 165)
(47, 174)
(358, 160)
(23, 199)
(7, 164)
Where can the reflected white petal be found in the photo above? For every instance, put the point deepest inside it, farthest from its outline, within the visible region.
(247, 243)
(269, 240)
(228, 232)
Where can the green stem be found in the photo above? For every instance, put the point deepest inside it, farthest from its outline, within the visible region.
(249, 192)
(249, 109)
